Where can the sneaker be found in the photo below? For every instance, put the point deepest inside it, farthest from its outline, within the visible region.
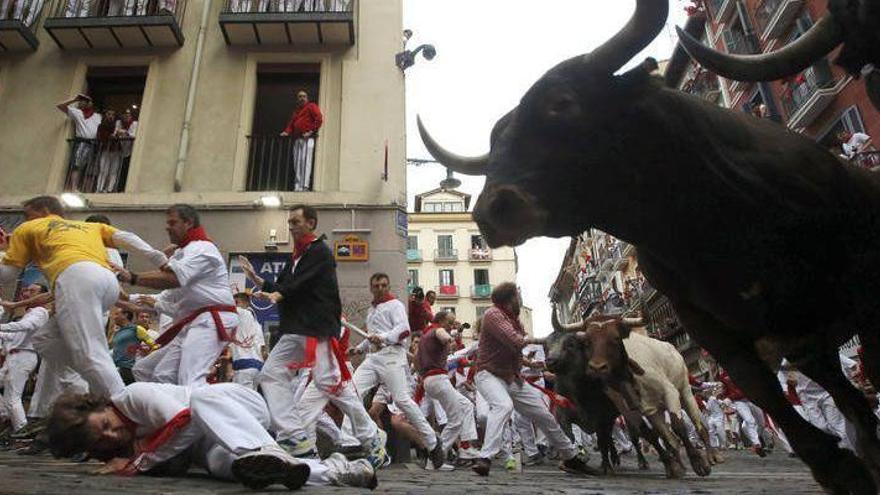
(534, 460)
(510, 464)
(378, 457)
(304, 448)
(576, 465)
(437, 455)
(270, 465)
(342, 472)
(757, 449)
(468, 453)
(445, 467)
(482, 466)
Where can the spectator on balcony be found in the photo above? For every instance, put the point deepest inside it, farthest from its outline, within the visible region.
(145, 7)
(126, 129)
(108, 150)
(78, 8)
(761, 111)
(420, 315)
(853, 143)
(25, 10)
(303, 126)
(85, 122)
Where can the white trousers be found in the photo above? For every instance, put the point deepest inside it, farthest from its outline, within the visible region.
(459, 411)
(431, 406)
(234, 420)
(279, 383)
(325, 423)
(621, 438)
(717, 436)
(303, 155)
(323, 388)
(389, 367)
(528, 434)
(52, 380)
(822, 412)
(20, 366)
(188, 358)
(503, 398)
(108, 160)
(84, 293)
(246, 377)
(749, 423)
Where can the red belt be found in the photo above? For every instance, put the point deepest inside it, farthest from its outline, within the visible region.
(16, 351)
(309, 360)
(420, 388)
(556, 400)
(215, 311)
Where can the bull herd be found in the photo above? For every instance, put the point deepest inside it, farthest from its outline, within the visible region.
(766, 245)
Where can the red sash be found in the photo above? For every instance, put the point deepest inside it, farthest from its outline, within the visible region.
(159, 438)
(556, 400)
(309, 360)
(215, 311)
(420, 388)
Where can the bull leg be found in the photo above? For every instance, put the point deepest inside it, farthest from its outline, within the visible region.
(636, 437)
(658, 423)
(837, 470)
(825, 370)
(606, 445)
(693, 411)
(698, 459)
(633, 419)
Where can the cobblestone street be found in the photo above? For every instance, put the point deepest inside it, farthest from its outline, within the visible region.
(742, 473)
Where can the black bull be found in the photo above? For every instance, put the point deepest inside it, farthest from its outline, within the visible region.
(765, 243)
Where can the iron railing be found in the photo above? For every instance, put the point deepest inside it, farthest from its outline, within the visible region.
(481, 291)
(120, 8)
(736, 42)
(480, 254)
(98, 166)
(272, 165)
(413, 255)
(26, 11)
(446, 254)
(764, 13)
(446, 291)
(715, 6)
(291, 6)
(805, 85)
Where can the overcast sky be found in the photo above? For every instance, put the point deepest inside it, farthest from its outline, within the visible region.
(489, 52)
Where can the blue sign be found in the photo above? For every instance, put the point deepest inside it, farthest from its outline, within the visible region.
(268, 266)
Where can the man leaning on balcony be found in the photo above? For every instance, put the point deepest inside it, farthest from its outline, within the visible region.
(85, 123)
(303, 126)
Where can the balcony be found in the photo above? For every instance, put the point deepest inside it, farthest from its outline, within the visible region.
(288, 22)
(481, 291)
(722, 9)
(17, 26)
(480, 254)
(867, 159)
(95, 166)
(774, 16)
(103, 24)
(446, 291)
(272, 165)
(413, 255)
(445, 255)
(809, 94)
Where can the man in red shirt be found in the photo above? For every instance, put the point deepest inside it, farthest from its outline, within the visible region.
(303, 126)
(419, 313)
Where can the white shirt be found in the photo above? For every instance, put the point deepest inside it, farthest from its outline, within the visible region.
(17, 334)
(85, 128)
(855, 144)
(389, 320)
(538, 356)
(203, 277)
(714, 409)
(250, 334)
(114, 257)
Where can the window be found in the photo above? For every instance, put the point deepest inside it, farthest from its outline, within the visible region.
(445, 247)
(448, 309)
(100, 158)
(477, 242)
(481, 277)
(447, 277)
(275, 162)
(431, 207)
(850, 120)
(412, 278)
(412, 242)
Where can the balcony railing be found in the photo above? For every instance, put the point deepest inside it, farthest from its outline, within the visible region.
(413, 255)
(116, 23)
(722, 9)
(446, 255)
(480, 254)
(98, 166)
(773, 16)
(806, 85)
(17, 21)
(280, 163)
(446, 291)
(288, 22)
(481, 291)
(736, 42)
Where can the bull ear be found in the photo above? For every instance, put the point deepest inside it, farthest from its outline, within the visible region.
(635, 368)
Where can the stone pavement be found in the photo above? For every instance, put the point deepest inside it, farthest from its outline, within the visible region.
(742, 473)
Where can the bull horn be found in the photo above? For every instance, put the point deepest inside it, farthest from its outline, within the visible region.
(462, 164)
(563, 327)
(793, 58)
(645, 24)
(633, 322)
(541, 341)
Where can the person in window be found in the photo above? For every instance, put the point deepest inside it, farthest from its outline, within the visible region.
(108, 150)
(303, 127)
(853, 143)
(85, 122)
(126, 129)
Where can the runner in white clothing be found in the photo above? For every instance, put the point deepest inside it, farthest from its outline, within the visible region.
(206, 316)
(247, 351)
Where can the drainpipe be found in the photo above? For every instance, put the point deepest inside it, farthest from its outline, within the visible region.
(191, 98)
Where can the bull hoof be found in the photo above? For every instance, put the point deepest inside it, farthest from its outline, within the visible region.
(607, 468)
(700, 463)
(845, 474)
(674, 468)
(715, 456)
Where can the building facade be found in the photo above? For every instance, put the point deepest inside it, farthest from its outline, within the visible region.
(212, 85)
(819, 102)
(446, 254)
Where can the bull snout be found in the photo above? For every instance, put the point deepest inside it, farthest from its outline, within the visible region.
(598, 368)
(507, 215)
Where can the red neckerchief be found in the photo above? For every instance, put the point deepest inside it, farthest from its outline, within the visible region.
(302, 244)
(124, 125)
(513, 319)
(87, 112)
(194, 234)
(383, 299)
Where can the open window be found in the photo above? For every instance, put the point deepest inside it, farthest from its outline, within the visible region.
(285, 131)
(103, 136)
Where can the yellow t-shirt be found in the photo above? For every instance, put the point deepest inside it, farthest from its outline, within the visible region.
(54, 243)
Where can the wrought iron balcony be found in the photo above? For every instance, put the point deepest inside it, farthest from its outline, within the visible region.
(17, 23)
(99, 24)
(413, 255)
(446, 255)
(809, 93)
(446, 291)
(272, 165)
(481, 291)
(480, 254)
(288, 22)
(774, 16)
(722, 9)
(97, 166)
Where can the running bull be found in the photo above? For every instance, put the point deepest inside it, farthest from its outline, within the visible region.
(764, 242)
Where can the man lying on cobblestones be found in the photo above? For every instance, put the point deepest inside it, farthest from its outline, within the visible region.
(159, 429)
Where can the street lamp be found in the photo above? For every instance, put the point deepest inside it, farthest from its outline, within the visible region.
(407, 58)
